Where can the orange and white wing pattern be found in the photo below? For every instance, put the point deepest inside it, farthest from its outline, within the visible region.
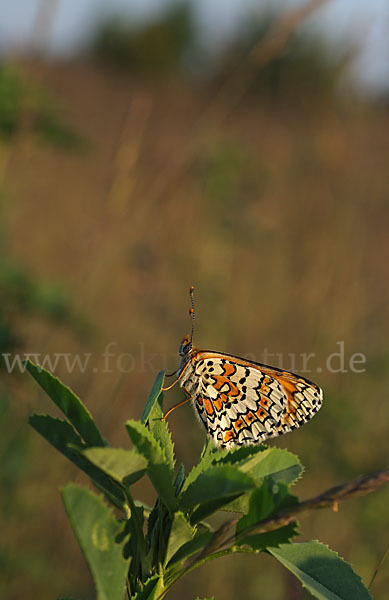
(243, 402)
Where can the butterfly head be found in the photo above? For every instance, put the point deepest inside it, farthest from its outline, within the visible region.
(185, 347)
(185, 350)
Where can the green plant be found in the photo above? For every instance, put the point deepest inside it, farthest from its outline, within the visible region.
(149, 549)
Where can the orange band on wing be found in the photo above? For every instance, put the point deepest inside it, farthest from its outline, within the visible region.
(238, 424)
(208, 406)
(228, 435)
(228, 369)
(218, 403)
(261, 414)
(218, 382)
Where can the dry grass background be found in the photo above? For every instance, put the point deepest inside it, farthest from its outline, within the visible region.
(279, 217)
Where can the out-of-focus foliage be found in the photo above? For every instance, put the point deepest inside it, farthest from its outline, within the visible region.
(27, 106)
(159, 46)
(307, 68)
(21, 295)
(10, 101)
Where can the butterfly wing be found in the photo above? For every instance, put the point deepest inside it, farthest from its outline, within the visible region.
(243, 402)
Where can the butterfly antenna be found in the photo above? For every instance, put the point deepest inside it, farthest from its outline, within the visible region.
(191, 310)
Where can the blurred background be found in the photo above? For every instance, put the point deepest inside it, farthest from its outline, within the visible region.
(240, 147)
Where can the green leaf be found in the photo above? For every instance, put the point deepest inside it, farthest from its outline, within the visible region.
(149, 590)
(160, 430)
(161, 477)
(159, 470)
(58, 432)
(153, 397)
(65, 439)
(206, 509)
(257, 461)
(213, 598)
(216, 483)
(239, 455)
(264, 501)
(72, 407)
(239, 505)
(126, 466)
(96, 530)
(145, 443)
(325, 575)
(190, 548)
(210, 455)
(180, 533)
(282, 465)
(261, 541)
(180, 479)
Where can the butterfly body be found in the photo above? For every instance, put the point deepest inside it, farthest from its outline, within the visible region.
(244, 402)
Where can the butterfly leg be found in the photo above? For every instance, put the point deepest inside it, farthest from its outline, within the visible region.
(177, 405)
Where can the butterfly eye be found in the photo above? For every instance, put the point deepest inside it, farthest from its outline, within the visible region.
(186, 346)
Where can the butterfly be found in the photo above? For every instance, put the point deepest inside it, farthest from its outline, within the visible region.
(241, 401)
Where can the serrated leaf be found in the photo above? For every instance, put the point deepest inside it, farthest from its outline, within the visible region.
(239, 455)
(151, 588)
(321, 571)
(96, 530)
(275, 538)
(210, 456)
(125, 466)
(66, 440)
(160, 431)
(181, 532)
(194, 473)
(72, 407)
(145, 443)
(153, 397)
(216, 483)
(159, 471)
